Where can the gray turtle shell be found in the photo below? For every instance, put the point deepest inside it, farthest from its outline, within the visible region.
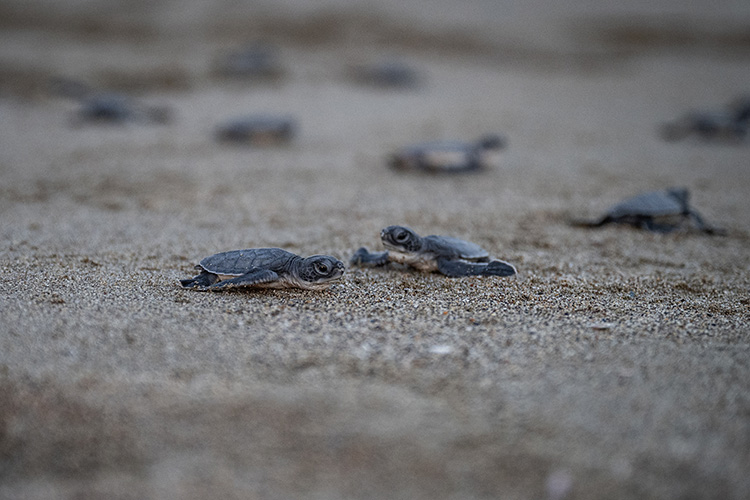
(110, 107)
(388, 73)
(447, 156)
(730, 125)
(257, 129)
(453, 248)
(653, 204)
(257, 61)
(107, 107)
(239, 262)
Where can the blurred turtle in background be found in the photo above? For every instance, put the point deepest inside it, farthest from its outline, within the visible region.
(449, 156)
(388, 73)
(729, 125)
(97, 106)
(659, 211)
(257, 130)
(258, 61)
(716, 126)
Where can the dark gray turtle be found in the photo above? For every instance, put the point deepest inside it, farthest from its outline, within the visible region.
(257, 61)
(658, 211)
(96, 106)
(264, 268)
(715, 126)
(448, 156)
(450, 256)
(110, 107)
(386, 74)
(258, 130)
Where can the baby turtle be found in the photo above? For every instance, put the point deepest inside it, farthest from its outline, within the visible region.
(449, 156)
(264, 268)
(110, 107)
(450, 256)
(259, 130)
(659, 211)
(257, 61)
(386, 74)
(716, 126)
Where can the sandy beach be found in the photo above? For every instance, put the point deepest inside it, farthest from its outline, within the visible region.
(615, 364)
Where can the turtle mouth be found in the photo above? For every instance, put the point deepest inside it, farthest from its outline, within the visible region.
(339, 276)
(389, 246)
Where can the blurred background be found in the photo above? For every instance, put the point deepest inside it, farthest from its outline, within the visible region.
(171, 44)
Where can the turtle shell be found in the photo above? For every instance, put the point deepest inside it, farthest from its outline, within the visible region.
(239, 262)
(441, 156)
(109, 107)
(447, 246)
(653, 204)
(391, 74)
(257, 129)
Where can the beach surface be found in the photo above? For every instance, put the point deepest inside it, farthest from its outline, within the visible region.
(615, 364)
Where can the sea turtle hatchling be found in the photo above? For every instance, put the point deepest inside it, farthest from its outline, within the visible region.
(714, 126)
(450, 256)
(392, 74)
(258, 130)
(111, 107)
(730, 124)
(98, 106)
(658, 211)
(264, 268)
(449, 156)
(258, 61)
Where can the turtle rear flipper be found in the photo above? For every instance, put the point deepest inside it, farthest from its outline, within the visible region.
(364, 257)
(499, 268)
(701, 224)
(590, 223)
(252, 278)
(460, 268)
(202, 281)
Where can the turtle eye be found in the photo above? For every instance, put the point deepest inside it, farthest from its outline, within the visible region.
(321, 268)
(402, 236)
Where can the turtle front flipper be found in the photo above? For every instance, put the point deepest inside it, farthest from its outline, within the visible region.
(461, 268)
(499, 268)
(656, 227)
(202, 281)
(253, 278)
(363, 257)
(702, 225)
(590, 222)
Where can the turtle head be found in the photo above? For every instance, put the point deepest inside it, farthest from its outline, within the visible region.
(319, 271)
(401, 239)
(681, 194)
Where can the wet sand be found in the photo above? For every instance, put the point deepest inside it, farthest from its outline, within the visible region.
(616, 364)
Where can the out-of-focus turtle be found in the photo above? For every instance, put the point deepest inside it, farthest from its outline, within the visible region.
(715, 126)
(258, 61)
(259, 130)
(449, 156)
(107, 107)
(264, 268)
(659, 211)
(386, 74)
(450, 256)
(117, 108)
